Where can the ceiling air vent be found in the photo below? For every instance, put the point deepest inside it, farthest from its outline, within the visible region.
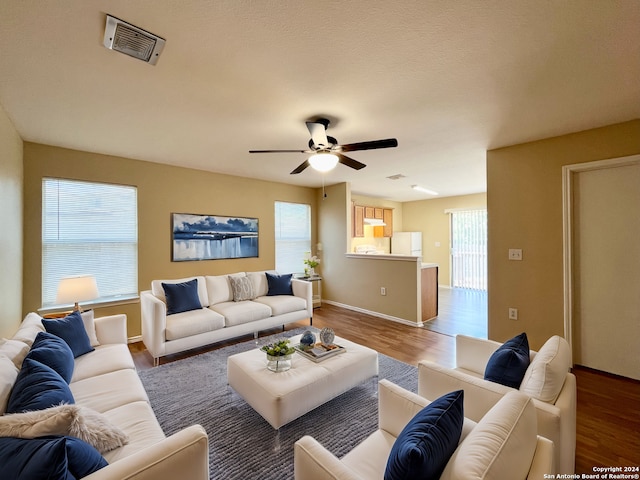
(131, 40)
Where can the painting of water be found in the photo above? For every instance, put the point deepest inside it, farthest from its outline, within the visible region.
(213, 237)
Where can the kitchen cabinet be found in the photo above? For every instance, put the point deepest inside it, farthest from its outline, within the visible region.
(358, 221)
(387, 217)
(360, 212)
(369, 212)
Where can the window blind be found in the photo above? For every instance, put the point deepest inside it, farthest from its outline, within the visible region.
(293, 236)
(469, 249)
(89, 228)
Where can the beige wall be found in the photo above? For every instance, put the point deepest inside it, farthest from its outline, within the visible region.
(356, 282)
(162, 189)
(10, 226)
(524, 203)
(429, 217)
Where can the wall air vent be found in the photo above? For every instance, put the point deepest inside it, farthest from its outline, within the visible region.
(131, 40)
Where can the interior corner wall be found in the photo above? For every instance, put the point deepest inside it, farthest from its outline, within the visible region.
(429, 217)
(524, 204)
(11, 203)
(162, 190)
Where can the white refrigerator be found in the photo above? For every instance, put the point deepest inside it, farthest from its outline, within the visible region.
(407, 243)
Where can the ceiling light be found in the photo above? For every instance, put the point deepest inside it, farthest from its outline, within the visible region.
(423, 190)
(323, 162)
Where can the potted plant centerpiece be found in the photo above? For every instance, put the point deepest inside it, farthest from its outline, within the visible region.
(312, 262)
(279, 355)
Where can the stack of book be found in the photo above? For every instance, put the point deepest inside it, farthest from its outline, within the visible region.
(319, 352)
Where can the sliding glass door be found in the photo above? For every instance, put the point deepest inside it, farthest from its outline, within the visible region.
(469, 249)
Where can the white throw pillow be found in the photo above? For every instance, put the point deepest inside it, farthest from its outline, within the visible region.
(8, 375)
(15, 350)
(80, 422)
(545, 376)
(500, 446)
(90, 327)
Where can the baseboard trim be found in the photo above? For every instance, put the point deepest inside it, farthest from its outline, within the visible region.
(374, 314)
(135, 339)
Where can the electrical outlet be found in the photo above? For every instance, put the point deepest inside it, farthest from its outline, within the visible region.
(513, 314)
(383, 291)
(515, 254)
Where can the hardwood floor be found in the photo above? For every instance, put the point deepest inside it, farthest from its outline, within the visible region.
(461, 311)
(608, 412)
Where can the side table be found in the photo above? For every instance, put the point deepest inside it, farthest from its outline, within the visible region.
(317, 294)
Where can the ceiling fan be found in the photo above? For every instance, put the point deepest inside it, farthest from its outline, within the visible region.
(327, 153)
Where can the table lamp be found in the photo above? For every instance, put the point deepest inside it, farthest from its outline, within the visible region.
(79, 288)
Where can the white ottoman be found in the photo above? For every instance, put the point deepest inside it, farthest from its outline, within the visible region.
(284, 396)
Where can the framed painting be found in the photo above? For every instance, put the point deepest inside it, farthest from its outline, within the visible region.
(213, 237)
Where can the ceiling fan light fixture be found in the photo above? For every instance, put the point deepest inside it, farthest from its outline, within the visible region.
(323, 162)
(423, 190)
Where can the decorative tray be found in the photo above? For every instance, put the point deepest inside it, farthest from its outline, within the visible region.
(320, 352)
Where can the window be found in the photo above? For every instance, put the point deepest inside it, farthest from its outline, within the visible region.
(293, 236)
(89, 228)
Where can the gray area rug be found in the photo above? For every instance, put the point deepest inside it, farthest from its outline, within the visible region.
(242, 445)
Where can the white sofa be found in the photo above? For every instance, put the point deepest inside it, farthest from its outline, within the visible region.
(504, 444)
(547, 380)
(105, 381)
(220, 317)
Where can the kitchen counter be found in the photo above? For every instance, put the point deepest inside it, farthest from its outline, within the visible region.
(427, 280)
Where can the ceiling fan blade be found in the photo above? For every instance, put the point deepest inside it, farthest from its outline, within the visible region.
(386, 143)
(300, 167)
(318, 133)
(349, 162)
(280, 151)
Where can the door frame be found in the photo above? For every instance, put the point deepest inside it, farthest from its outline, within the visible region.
(568, 172)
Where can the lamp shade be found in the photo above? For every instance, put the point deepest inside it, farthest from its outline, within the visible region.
(323, 162)
(76, 289)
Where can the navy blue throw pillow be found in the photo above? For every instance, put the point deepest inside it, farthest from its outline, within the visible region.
(426, 443)
(71, 330)
(82, 458)
(53, 352)
(509, 362)
(182, 297)
(23, 459)
(52, 457)
(279, 284)
(37, 387)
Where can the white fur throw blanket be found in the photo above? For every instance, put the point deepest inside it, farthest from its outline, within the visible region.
(73, 420)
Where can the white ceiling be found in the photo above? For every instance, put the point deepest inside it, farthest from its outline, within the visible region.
(449, 79)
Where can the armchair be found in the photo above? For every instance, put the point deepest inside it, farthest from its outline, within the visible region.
(548, 372)
(504, 444)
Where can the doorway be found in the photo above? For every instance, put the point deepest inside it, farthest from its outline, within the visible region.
(602, 264)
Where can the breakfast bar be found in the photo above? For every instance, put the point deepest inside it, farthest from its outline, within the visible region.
(426, 282)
